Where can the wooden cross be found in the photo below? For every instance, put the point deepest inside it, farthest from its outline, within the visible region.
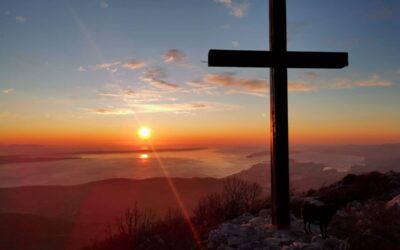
(278, 59)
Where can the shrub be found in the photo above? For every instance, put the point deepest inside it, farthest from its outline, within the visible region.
(372, 226)
(137, 229)
(236, 198)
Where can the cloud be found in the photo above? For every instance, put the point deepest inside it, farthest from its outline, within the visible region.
(199, 87)
(136, 96)
(225, 2)
(104, 4)
(129, 92)
(155, 77)
(110, 111)
(301, 87)
(174, 55)
(374, 81)
(20, 19)
(161, 84)
(176, 108)
(245, 84)
(235, 44)
(135, 64)
(309, 76)
(250, 86)
(114, 66)
(239, 10)
(7, 91)
(107, 66)
(236, 9)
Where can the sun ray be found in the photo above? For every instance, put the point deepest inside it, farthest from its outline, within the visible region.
(178, 199)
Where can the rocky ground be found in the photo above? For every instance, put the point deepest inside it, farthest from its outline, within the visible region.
(248, 232)
(368, 218)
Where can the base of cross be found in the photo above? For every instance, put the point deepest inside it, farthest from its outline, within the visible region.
(280, 227)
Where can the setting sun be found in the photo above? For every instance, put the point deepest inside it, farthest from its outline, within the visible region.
(144, 156)
(144, 133)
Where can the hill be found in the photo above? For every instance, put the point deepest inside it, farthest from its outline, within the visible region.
(91, 207)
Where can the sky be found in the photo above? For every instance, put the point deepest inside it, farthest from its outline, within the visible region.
(93, 71)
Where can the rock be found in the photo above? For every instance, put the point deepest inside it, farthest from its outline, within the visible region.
(247, 246)
(257, 222)
(215, 236)
(264, 213)
(228, 228)
(255, 233)
(394, 203)
(225, 247)
(311, 247)
(235, 240)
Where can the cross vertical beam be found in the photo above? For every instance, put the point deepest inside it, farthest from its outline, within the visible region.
(279, 118)
(278, 59)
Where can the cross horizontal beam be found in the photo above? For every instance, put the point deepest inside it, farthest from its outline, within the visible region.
(268, 59)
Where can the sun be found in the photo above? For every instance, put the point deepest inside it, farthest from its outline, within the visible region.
(144, 133)
(144, 156)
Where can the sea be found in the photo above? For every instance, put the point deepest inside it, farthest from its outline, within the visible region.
(34, 165)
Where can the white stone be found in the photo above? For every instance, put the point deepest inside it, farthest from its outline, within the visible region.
(394, 203)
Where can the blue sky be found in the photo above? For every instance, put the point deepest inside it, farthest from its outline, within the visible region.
(114, 62)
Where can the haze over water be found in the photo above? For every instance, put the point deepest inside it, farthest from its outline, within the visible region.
(77, 168)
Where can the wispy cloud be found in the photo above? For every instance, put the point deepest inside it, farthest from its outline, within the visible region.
(134, 64)
(301, 87)
(161, 84)
(104, 4)
(374, 81)
(107, 65)
(110, 111)
(114, 66)
(244, 84)
(236, 9)
(309, 76)
(179, 108)
(249, 86)
(20, 19)
(7, 91)
(176, 108)
(235, 44)
(174, 55)
(199, 87)
(136, 96)
(156, 78)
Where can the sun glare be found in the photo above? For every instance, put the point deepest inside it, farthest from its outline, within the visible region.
(144, 156)
(144, 133)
